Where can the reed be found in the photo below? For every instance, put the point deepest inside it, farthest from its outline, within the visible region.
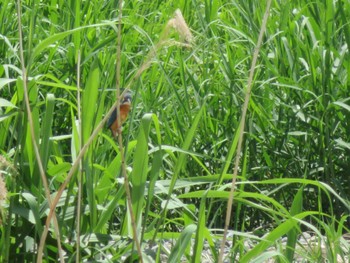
(187, 64)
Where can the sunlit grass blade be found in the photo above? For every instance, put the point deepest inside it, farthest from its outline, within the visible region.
(59, 36)
(200, 233)
(296, 208)
(90, 99)
(45, 130)
(140, 169)
(273, 236)
(181, 245)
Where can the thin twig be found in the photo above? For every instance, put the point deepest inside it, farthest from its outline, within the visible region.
(241, 131)
(32, 133)
(120, 140)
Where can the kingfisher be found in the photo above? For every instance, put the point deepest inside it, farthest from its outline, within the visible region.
(125, 105)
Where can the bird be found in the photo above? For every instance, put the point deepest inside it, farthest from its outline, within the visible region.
(125, 105)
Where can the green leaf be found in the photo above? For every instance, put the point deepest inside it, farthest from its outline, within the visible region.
(342, 144)
(269, 240)
(297, 207)
(47, 42)
(199, 240)
(140, 170)
(5, 81)
(342, 104)
(90, 100)
(6, 103)
(34, 208)
(180, 247)
(46, 131)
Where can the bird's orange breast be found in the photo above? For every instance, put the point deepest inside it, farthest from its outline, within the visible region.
(124, 110)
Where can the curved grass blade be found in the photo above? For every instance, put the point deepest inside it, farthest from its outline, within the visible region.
(181, 245)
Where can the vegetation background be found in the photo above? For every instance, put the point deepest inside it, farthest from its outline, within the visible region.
(181, 136)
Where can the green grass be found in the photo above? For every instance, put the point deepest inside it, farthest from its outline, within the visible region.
(181, 137)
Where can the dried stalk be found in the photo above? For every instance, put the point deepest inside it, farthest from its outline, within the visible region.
(80, 188)
(241, 131)
(32, 133)
(120, 139)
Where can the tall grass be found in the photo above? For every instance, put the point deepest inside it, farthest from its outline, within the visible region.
(181, 136)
